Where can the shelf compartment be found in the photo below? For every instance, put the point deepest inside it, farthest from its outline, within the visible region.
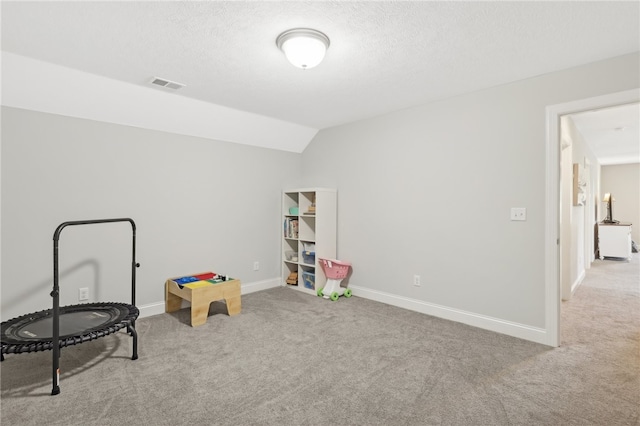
(309, 280)
(289, 269)
(289, 200)
(307, 228)
(291, 227)
(309, 257)
(307, 202)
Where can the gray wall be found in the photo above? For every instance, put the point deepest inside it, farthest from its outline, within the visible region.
(199, 205)
(428, 191)
(623, 181)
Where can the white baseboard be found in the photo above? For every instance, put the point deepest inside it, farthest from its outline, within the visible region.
(509, 328)
(151, 309)
(261, 285)
(158, 307)
(534, 334)
(577, 282)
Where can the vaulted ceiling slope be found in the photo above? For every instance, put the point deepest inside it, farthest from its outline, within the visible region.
(384, 56)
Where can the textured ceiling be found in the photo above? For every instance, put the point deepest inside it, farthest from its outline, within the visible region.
(613, 133)
(384, 56)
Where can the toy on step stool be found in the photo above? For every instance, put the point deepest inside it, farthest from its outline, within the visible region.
(335, 272)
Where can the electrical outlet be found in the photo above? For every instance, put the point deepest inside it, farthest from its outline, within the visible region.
(256, 265)
(83, 294)
(416, 280)
(518, 213)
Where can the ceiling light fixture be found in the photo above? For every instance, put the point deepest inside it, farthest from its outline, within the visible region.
(303, 47)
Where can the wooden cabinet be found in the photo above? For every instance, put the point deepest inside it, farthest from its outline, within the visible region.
(614, 240)
(308, 233)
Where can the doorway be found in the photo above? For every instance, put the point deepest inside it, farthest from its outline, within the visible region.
(553, 232)
(578, 194)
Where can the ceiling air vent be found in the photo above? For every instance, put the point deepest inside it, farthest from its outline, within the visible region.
(166, 83)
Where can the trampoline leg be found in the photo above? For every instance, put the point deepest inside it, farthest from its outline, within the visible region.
(56, 382)
(131, 329)
(56, 371)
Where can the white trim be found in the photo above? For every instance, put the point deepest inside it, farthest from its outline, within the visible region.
(497, 325)
(552, 220)
(158, 307)
(151, 309)
(261, 285)
(310, 190)
(577, 282)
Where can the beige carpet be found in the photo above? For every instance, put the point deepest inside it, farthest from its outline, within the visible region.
(294, 359)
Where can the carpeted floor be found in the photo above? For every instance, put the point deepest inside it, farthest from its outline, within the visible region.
(295, 359)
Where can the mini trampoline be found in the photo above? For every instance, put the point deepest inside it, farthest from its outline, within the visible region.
(59, 327)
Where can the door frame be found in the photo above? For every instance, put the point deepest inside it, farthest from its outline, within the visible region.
(552, 197)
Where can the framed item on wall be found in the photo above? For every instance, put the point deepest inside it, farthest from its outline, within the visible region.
(579, 185)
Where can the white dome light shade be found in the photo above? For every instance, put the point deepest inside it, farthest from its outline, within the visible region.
(303, 47)
(304, 52)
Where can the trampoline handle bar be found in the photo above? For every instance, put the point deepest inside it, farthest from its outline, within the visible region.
(56, 234)
(56, 238)
(56, 290)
